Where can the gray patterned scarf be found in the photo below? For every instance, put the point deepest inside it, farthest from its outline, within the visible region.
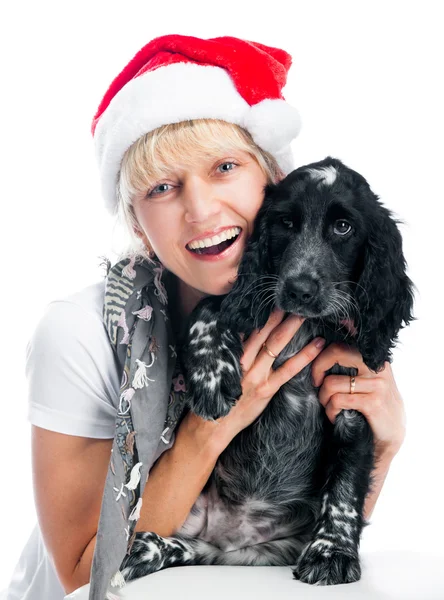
(151, 401)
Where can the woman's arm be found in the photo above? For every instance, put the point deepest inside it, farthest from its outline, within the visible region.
(179, 475)
(383, 461)
(174, 484)
(377, 397)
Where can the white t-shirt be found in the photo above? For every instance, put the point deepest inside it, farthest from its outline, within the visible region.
(73, 388)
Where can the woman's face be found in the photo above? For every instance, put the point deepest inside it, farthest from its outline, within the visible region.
(190, 203)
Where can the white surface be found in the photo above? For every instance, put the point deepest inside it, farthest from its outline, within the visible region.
(385, 576)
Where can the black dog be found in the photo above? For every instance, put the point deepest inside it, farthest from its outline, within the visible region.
(290, 488)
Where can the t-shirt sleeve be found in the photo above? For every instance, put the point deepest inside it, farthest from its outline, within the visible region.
(72, 373)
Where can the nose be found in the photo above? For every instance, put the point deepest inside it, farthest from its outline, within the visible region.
(201, 202)
(301, 290)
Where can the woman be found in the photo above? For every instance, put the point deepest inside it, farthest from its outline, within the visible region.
(187, 136)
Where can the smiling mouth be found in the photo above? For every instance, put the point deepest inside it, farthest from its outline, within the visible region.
(216, 249)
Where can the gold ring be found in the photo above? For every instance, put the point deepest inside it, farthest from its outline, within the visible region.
(352, 385)
(268, 351)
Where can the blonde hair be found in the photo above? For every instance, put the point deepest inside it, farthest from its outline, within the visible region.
(184, 143)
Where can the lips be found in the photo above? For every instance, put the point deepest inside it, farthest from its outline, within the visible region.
(229, 252)
(216, 248)
(211, 233)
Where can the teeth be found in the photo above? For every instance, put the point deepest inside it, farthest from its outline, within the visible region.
(217, 239)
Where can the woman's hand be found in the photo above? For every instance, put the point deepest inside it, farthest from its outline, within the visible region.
(260, 382)
(375, 396)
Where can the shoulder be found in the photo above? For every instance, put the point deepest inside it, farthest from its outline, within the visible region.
(71, 367)
(71, 329)
(73, 315)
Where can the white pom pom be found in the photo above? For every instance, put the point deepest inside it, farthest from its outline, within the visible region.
(273, 124)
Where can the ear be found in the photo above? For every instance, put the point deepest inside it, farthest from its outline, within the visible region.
(249, 302)
(384, 293)
(139, 233)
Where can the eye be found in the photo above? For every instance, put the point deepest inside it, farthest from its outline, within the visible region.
(342, 227)
(227, 164)
(159, 189)
(287, 222)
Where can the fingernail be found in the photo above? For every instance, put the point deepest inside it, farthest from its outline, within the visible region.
(319, 342)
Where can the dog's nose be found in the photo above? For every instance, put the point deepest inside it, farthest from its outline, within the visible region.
(301, 290)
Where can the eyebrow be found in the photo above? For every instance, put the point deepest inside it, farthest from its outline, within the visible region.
(208, 160)
(338, 207)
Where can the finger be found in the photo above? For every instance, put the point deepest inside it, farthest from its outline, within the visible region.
(294, 365)
(276, 342)
(340, 402)
(258, 337)
(341, 384)
(337, 353)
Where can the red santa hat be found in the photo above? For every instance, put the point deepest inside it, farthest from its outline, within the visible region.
(176, 78)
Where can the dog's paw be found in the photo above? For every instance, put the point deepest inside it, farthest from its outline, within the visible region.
(206, 404)
(319, 565)
(213, 370)
(151, 552)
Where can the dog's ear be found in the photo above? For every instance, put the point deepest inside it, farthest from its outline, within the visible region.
(384, 292)
(249, 302)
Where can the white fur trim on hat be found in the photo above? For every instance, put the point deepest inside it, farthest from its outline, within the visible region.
(179, 92)
(273, 124)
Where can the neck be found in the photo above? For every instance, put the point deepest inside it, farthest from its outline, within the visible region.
(182, 299)
(189, 298)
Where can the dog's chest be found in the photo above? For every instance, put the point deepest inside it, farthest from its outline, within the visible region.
(264, 484)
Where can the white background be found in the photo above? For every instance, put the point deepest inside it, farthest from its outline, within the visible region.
(366, 78)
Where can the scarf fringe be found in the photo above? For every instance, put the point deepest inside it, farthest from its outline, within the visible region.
(160, 291)
(144, 313)
(128, 270)
(122, 323)
(126, 396)
(129, 442)
(135, 513)
(135, 477)
(140, 378)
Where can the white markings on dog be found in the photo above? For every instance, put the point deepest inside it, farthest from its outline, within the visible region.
(349, 511)
(202, 338)
(344, 511)
(348, 528)
(212, 382)
(202, 330)
(202, 327)
(322, 542)
(152, 552)
(198, 375)
(325, 175)
(294, 401)
(324, 503)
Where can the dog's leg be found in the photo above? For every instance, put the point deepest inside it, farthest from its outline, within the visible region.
(332, 555)
(211, 360)
(151, 552)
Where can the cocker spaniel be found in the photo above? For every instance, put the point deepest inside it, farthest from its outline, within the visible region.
(290, 488)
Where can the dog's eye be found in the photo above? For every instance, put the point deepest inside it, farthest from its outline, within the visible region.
(287, 222)
(342, 227)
